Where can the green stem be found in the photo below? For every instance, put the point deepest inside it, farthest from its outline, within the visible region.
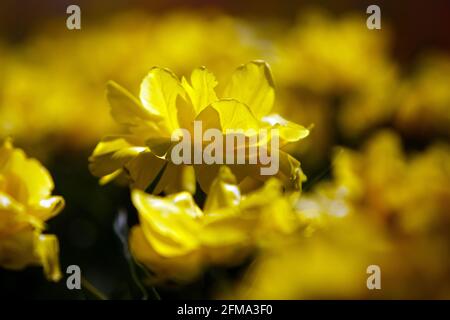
(92, 290)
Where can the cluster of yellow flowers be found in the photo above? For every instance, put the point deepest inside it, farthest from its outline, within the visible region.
(382, 207)
(176, 238)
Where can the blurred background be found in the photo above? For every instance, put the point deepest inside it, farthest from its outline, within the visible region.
(383, 94)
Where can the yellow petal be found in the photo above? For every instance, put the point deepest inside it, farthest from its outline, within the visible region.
(205, 175)
(48, 208)
(186, 113)
(209, 118)
(28, 248)
(274, 208)
(227, 236)
(182, 268)
(5, 152)
(241, 171)
(47, 249)
(25, 178)
(252, 84)
(249, 184)
(119, 175)
(159, 92)
(14, 216)
(111, 154)
(17, 250)
(201, 90)
(290, 171)
(170, 224)
(160, 145)
(288, 131)
(143, 169)
(125, 108)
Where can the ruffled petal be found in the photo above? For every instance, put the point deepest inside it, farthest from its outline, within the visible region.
(252, 84)
(170, 224)
(201, 89)
(159, 92)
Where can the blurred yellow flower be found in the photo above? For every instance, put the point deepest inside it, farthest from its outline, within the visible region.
(335, 73)
(25, 204)
(384, 207)
(141, 155)
(176, 239)
(385, 182)
(424, 99)
(327, 55)
(331, 264)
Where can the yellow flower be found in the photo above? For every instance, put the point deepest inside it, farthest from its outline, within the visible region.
(141, 155)
(338, 75)
(385, 182)
(382, 181)
(176, 239)
(405, 196)
(25, 204)
(424, 99)
(327, 55)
